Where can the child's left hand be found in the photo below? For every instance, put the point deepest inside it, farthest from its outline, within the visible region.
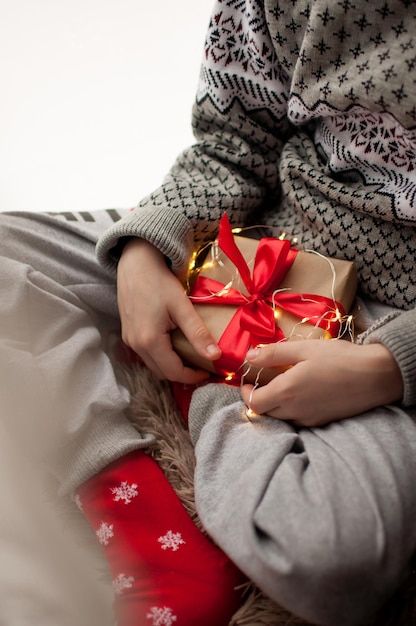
(328, 380)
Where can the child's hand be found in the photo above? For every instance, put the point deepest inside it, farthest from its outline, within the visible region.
(328, 380)
(152, 302)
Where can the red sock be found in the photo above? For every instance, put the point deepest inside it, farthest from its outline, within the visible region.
(183, 393)
(165, 571)
(183, 396)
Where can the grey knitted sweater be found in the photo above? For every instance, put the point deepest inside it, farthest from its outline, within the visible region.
(305, 120)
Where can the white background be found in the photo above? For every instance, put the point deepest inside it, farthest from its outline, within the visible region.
(96, 98)
(95, 103)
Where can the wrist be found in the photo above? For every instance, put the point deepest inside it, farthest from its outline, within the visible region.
(399, 336)
(141, 251)
(385, 374)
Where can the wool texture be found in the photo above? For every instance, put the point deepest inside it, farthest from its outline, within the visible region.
(305, 121)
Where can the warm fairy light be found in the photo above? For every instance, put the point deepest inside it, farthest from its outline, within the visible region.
(225, 289)
(251, 414)
(349, 327)
(325, 322)
(192, 262)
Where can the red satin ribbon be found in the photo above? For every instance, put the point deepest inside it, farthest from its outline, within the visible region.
(254, 322)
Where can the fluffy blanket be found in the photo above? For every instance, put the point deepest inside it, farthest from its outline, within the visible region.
(153, 409)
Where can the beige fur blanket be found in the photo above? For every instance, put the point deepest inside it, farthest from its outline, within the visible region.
(154, 410)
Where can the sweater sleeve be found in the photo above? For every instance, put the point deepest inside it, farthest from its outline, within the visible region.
(398, 333)
(239, 122)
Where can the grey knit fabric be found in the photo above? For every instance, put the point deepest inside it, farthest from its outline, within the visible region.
(305, 121)
(286, 90)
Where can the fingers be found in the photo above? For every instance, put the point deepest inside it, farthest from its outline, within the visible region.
(323, 381)
(166, 364)
(152, 302)
(153, 345)
(186, 318)
(277, 354)
(153, 341)
(275, 397)
(260, 400)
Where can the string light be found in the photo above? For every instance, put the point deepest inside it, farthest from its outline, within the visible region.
(250, 414)
(225, 289)
(346, 322)
(192, 262)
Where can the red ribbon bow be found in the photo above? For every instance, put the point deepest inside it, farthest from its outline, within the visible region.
(254, 321)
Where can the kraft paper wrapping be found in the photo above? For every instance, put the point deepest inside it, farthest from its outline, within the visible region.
(310, 273)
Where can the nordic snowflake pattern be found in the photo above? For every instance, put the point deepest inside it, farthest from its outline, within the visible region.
(105, 533)
(161, 616)
(125, 492)
(240, 60)
(121, 583)
(171, 541)
(248, 59)
(377, 148)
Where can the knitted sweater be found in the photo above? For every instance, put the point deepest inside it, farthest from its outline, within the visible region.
(305, 120)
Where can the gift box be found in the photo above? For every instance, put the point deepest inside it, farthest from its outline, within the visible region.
(251, 292)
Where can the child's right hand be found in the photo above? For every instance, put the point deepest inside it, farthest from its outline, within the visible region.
(152, 302)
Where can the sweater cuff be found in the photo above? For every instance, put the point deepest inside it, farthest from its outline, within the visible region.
(205, 403)
(167, 230)
(398, 334)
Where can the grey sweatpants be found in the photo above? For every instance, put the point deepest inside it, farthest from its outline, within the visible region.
(58, 312)
(322, 519)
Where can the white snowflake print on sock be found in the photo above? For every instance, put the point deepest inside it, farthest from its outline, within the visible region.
(171, 541)
(125, 492)
(105, 533)
(121, 583)
(164, 571)
(161, 616)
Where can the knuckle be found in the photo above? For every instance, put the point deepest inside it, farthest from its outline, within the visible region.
(199, 334)
(145, 342)
(142, 341)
